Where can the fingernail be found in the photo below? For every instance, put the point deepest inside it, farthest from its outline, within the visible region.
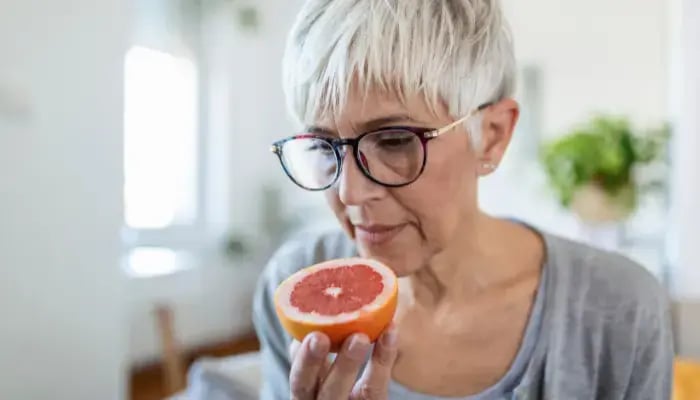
(359, 345)
(317, 347)
(390, 337)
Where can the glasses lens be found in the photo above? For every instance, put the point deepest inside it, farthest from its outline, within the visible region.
(392, 157)
(310, 162)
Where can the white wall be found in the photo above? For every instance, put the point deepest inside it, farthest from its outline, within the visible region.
(597, 55)
(683, 243)
(62, 330)
(258, 116)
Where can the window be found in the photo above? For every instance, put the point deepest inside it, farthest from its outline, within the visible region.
(162, 167)
(160, 139)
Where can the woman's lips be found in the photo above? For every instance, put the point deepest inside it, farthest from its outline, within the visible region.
(377, 234)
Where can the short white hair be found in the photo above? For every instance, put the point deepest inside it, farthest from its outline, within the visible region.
(459, 52)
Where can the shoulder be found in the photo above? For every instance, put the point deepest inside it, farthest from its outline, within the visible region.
(608, 314)
(604, 281)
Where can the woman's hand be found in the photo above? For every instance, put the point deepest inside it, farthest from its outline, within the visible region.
(314, 377)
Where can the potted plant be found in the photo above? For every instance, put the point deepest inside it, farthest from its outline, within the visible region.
(592, 169)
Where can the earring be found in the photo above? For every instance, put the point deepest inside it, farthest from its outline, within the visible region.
(489, 166)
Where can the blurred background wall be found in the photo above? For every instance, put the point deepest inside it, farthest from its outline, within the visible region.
(85, 260)
(62, 312)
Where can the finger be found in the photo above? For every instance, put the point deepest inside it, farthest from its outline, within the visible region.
(293, 349)
(344, 370)
(374, 383)
(306, 366)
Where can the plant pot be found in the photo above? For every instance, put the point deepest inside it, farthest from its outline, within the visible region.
(593, 205)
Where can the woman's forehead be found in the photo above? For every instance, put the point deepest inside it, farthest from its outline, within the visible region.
(380, 107)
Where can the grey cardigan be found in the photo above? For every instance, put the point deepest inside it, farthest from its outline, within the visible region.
(605, 325)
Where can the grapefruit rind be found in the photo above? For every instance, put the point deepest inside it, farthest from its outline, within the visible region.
(370, 319)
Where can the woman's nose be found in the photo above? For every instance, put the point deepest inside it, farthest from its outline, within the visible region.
(354, 188)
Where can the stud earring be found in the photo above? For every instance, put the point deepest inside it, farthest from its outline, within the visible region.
(489, 166)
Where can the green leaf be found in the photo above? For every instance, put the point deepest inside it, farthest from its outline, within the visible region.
(603, 151)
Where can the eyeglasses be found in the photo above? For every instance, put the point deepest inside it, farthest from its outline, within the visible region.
(391, 157)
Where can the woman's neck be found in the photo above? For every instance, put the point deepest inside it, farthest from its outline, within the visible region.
(483, 253)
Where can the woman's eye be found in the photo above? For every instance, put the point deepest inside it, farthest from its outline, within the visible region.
(396, 141)
(324, 148)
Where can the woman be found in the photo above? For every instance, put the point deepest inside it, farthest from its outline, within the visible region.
(405, 105)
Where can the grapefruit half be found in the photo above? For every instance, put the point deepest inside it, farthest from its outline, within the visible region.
(339, 298)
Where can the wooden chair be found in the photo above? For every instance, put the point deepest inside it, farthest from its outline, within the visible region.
(174, 375)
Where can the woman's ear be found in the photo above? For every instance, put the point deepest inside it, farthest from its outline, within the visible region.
(498, 124)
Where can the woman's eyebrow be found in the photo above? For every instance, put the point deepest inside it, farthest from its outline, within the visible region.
(320, 130)
(386, 120)
(371, 124)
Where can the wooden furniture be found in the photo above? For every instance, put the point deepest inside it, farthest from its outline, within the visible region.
(168, 375)
(173, 370)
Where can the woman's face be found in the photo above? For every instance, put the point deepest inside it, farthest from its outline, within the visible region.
(404, 227)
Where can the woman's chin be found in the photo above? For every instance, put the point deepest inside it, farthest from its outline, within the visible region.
(400, 262)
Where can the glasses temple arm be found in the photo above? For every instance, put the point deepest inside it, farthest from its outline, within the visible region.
(451, 126)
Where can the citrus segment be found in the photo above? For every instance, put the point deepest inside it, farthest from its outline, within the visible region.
(338, 298)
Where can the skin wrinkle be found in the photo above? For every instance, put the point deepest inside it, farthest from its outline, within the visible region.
(432, 285)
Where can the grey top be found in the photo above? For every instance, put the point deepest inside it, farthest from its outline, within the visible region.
(503, 389)
(600, 327)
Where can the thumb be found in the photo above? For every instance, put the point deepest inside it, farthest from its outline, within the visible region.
(374, 383)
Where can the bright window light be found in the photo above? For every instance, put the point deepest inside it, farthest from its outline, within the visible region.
(160, 139)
